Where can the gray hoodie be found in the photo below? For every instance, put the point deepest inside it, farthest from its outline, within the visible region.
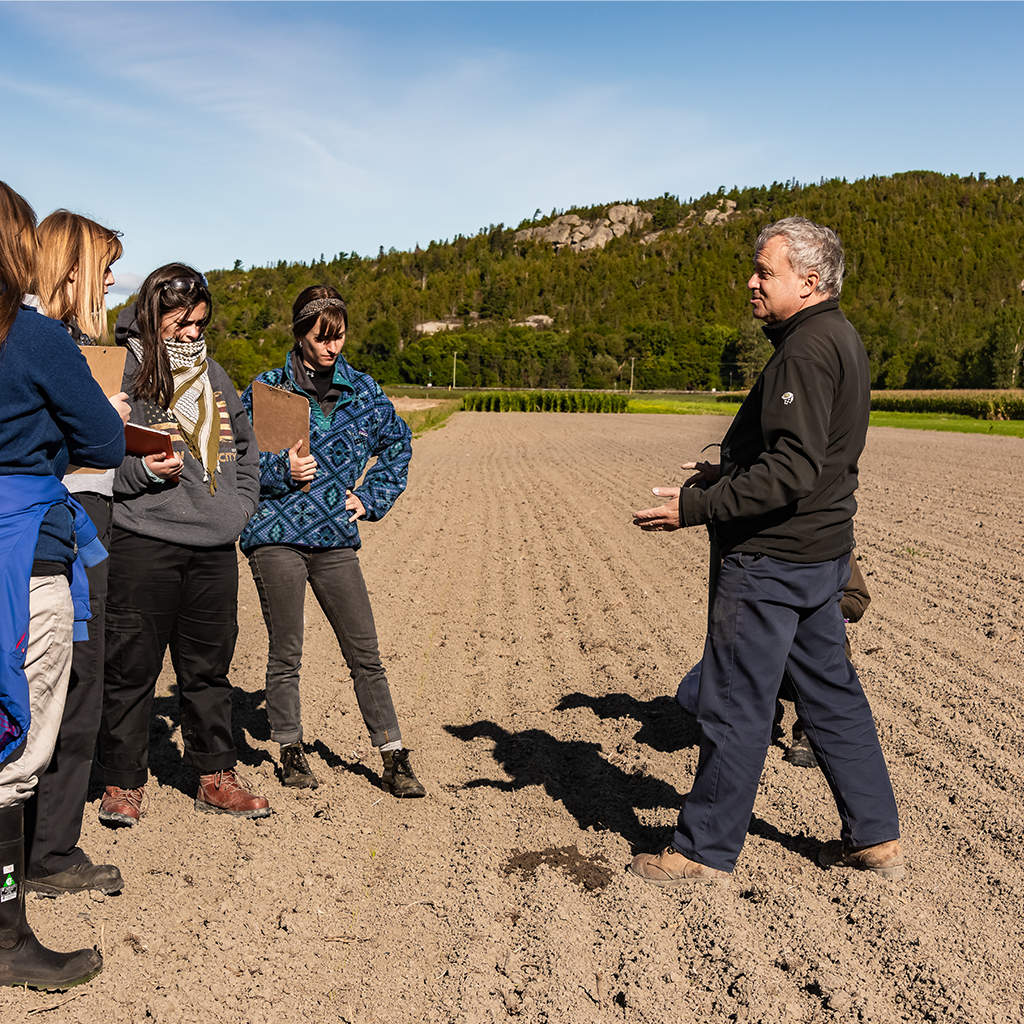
(186, 513)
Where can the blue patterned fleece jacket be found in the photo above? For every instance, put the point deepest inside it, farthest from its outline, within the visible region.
(362, 424)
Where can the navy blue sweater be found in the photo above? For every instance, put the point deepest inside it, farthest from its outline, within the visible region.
(52, 411)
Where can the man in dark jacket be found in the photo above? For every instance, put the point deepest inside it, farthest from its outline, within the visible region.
(780, 508)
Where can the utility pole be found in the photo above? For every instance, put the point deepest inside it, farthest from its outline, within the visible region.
(455, 359)
(632, 363)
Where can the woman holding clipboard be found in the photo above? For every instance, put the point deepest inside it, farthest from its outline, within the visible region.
(305, 531)
(51, 412)
(174, 569)
(71, 280)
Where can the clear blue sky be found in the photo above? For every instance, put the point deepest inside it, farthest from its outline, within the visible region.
(210, 132)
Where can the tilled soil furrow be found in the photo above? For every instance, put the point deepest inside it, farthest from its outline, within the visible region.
(534, 639)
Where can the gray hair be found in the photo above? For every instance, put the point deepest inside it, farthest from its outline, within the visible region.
(810, 247)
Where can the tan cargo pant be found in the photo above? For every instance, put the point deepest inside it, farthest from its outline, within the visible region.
(47, 666)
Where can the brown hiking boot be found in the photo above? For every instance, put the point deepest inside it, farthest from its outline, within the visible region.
(398, 775)
(123, 806)
(671, 868)
(883, 859)
(222, 793)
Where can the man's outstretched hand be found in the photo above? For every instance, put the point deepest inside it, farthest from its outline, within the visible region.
(664, 517)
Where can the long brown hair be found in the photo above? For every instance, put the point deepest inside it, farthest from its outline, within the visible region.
(176, 286)
(17, 254)
(70, 244)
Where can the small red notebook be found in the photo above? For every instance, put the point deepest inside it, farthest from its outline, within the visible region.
(146, 441)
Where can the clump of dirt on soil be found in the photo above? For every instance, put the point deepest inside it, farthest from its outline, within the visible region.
(589, 873)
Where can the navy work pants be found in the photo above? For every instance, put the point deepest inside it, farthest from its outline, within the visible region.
(770, 617)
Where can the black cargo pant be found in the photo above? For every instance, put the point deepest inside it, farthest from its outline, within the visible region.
(53, 814)
(164, 594)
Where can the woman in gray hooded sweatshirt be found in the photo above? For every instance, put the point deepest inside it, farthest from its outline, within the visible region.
(173, 564)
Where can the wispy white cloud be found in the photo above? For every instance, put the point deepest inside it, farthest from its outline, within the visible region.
(265, 131)
(125, 283)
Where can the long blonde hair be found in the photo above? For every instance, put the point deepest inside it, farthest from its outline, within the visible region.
(70, 244)
(17, 254)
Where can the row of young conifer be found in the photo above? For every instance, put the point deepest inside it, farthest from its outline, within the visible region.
(544, 401)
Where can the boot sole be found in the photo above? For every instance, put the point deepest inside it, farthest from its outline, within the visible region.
(56, 890)
(259, 812)
(403, 796)
(116, 820)
(305, 782)
(893, 874)
(44, 986)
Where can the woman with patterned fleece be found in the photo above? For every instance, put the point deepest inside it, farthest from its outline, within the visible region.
(298, 536)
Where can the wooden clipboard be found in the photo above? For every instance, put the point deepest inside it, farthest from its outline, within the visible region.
(280, 418)
(106, 362)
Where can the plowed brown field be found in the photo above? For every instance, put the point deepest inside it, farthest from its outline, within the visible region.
(534, 639)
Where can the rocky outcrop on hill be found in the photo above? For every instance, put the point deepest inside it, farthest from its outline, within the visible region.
(538, 321)
(433, 326)
(580, 235)
(722, 214)
(726, 212)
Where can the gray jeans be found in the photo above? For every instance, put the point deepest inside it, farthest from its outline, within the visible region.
(280, 573)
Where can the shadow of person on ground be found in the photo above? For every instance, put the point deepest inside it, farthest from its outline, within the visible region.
(804, 845)
(597, 794)
(333, 760)
(664, 725)
(249, 719)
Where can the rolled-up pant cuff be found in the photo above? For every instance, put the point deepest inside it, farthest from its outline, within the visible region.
(208, 764)
(378, 739)
(134, 778)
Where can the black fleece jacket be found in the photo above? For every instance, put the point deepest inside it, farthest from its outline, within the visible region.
(789, 459)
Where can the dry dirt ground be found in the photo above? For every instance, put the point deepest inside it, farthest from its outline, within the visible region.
(534, 638)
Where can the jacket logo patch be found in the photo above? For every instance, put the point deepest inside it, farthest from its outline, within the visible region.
(787, 398)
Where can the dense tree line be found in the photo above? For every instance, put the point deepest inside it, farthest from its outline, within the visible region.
(933, 285)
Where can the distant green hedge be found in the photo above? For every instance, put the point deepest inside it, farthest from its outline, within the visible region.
(981, 405)
(544, 401)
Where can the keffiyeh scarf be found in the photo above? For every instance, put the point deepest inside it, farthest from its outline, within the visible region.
(192, 403)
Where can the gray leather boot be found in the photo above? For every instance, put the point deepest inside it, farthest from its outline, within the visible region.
(23, 959)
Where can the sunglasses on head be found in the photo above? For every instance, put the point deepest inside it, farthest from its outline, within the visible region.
(185, 284)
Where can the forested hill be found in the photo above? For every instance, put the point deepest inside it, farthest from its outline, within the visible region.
(934, 269)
